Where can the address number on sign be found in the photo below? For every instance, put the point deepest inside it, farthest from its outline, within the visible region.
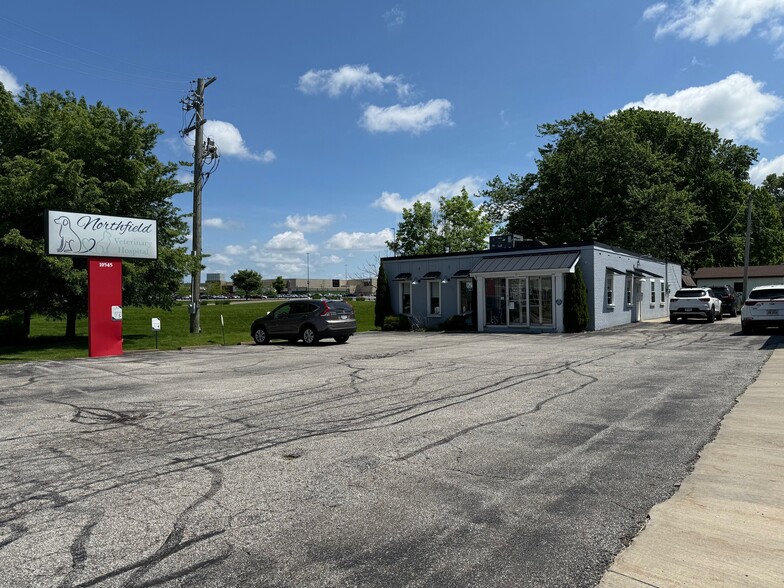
(105, 264)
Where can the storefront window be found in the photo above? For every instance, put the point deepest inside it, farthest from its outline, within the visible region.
(434, 298)
(466, 291)
(495, 301)
(405, 297)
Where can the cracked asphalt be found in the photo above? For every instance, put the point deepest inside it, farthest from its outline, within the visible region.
(398, 459)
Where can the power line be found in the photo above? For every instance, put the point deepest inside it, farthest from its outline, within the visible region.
(86, 50)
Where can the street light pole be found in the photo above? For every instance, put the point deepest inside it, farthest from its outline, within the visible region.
(308, 256)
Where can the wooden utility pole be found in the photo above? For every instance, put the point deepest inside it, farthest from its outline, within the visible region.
(197, 102)
(748, 247)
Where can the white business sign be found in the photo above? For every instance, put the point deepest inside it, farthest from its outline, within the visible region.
(97, 235)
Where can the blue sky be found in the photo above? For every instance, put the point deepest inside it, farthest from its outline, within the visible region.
(333, 116)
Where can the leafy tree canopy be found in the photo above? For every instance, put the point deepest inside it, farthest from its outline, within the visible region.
(279, 284)
(649, 181)
(456, 226)
(59, 152)
(247, 281)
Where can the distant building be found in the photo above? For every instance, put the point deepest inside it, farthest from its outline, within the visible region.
(216, 278)
(759, 275)
(356, 287)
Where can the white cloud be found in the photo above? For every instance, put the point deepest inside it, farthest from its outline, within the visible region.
(764, 168)
(294, 241)
(230, 142)
(394, 202)
(395, 17)
(309, 223)
(219, 259)
(353, 78)
(219, 223)
(9, 81)
(360, 241)
(714, 20)
(331, 259)
(736, 106)
(237, 250)
(412, 119)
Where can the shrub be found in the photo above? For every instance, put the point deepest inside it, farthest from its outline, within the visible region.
(12, 329)
(575, 303)
(454, 323)
(405, 322)
(391, 323)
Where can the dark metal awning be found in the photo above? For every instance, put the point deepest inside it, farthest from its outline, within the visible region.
(547, 262)
(647, 273)
(403, 277)
(432, 276)
(461, 274)
(616, 271)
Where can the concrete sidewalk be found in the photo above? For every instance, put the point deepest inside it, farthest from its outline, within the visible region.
(725, 525)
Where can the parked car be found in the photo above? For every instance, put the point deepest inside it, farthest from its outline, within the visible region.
(309, 320)
(695, 303)
(763, 308)
(729, 300)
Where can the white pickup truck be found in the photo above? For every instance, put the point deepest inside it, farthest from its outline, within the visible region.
(695, 303)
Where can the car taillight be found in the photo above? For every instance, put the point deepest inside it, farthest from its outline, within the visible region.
(706, 299)
(325, 312)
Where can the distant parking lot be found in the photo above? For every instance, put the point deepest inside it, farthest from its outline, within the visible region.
(395, 460)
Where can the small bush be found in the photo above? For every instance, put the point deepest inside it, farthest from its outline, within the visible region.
(12, 329)
(405, 323)
(391, 323)
(454, 323)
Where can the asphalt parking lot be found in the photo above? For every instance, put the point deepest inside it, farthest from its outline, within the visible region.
(395, 460)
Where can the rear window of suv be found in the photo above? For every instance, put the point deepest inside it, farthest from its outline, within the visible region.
(767, 293)
(720, 290)
(336, 305)
(690, 293)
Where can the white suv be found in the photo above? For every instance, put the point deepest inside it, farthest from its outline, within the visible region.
(695, 303)
(764, 307)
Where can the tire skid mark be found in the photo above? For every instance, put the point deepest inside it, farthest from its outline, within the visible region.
(79, 549)
(536, 408)
(172, 544)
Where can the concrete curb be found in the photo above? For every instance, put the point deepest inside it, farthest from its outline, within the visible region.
(725, 525)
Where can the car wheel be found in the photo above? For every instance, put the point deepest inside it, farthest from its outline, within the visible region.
(733, 312)
(719, 316)
(341, 339)
(260, 336)
(309, 336)
(711, 315)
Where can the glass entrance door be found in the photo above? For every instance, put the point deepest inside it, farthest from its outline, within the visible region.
(518, 302)
(540, 300)
(495, 301)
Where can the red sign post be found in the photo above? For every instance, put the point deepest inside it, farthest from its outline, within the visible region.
(104, 306)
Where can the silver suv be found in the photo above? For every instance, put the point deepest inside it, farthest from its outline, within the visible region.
(309, 320)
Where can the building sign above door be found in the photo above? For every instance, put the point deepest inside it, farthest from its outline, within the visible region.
(77, 234)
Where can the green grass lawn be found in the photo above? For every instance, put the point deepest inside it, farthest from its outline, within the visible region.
(46, 339)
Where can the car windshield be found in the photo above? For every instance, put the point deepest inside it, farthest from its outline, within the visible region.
(767, 293)
(690, 293)
(719, 289)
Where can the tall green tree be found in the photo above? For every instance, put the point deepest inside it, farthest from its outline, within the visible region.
(59, 152)
(576, 315)
(457, 226)
(383, 307)
(279, 284)
(648, 181)
(247, 281)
